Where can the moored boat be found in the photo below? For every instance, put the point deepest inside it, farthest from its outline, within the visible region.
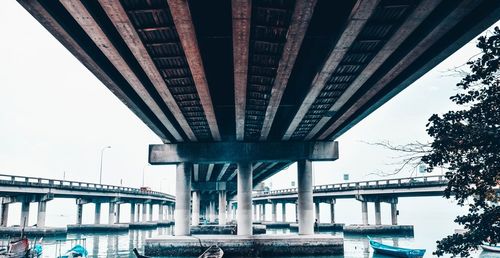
(212, 252)
(396, 251)
(491, 248)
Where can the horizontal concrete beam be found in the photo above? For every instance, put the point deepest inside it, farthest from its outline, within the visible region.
(213, 186)
(225, 152)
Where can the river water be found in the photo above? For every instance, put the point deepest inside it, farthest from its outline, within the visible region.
(432, 218)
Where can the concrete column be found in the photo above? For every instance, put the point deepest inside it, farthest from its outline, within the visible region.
(244, 191)
(112, 214)
(132, 212)
(5, 214)
(138, 214)
(283, 211)
(332, 211)
(25, 214)
(222, 207)
(263, 212)
(160, 212)
(364, 212)
(97, 213)
(183, 199)
(394, 213)
(144, 212)
(118, 212)
(79, 213)
(305, 197)
(255, 212)
(378, 217)
(296, 212)
(211, 211)
(273, 212)
(316, 209)
(42, 208)
(230, 211)
(195, 219)
(150, 218)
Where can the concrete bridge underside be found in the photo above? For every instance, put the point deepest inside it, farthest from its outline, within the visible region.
(258, 77)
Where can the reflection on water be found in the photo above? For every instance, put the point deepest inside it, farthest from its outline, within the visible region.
(120, 244)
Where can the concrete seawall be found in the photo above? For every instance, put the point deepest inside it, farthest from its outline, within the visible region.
(98, 227)
(378, 229)
(223, 230)
(33, 231)
(286, 245)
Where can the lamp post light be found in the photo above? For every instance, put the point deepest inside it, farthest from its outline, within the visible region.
(100, 170)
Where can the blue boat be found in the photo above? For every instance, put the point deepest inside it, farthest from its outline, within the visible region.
(395, 251)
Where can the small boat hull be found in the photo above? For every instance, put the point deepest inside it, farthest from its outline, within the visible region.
(212, 252)
(490, 248)
(396, 251)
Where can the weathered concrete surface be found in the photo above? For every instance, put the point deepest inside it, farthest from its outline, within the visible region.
(165, 223)
(245, 245)
(223, 229)
(97, 227)
(276, 224)
(222, 152)
(320, 227)
(143, 225)
(378, 229)
(33, 231)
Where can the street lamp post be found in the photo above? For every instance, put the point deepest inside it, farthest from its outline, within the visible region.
(100, 170)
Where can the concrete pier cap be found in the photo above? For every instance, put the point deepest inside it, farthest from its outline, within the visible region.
(244, 154)
(224, 152)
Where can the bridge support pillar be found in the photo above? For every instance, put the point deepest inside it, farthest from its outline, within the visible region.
(394, 212)
(183, 199)
(263, 212)
(169, 210)
(160, 212)
(5, 214)
(150, 214)
(42, 208)
(118, 212)
(132, 212)
(25, 213)
(97, 214)
(283, 211)
(305, 197)
(378, 217)
(222, 207)
(244, 190)
(332, 211)
(212, 211)
(296, 212)
(144, 212)
(196, 209)
(364, 212)
(112, 213)
(79, 213)
(273, 212)
(316, 209)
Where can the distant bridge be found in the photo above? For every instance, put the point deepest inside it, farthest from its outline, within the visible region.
(399, 187)
(31, 189)
(376, 191)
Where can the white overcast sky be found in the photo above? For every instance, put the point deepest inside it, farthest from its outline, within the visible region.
(55, 117)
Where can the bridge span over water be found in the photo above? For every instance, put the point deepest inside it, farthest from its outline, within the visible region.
(239, 90)
(26, 190)
(376, 191)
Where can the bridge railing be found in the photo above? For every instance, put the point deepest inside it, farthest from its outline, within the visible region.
(422, 180)
(37, 181)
